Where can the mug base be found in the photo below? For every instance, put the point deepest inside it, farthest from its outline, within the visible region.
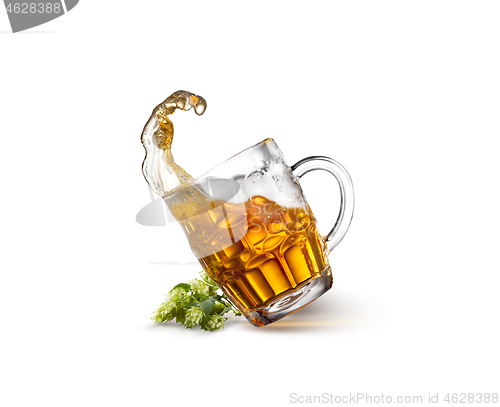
(291, 301)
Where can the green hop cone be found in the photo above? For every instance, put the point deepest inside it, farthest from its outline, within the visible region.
(212, 323)
(193, 317)
(165, 312)
(180, 315)
(177, 295)
(201, 287)
(206, 278)
(218, 307)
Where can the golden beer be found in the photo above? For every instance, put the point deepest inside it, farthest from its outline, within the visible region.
(257, 252)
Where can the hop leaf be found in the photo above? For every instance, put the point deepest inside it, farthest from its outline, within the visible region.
(207, 305)
(184, 286)
(193, 317)
(212, 323)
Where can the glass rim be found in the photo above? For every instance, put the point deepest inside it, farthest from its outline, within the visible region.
(266, 141)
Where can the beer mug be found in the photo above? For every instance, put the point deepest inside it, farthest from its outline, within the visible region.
(251, 228)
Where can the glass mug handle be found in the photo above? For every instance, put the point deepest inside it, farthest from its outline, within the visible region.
(334, 237)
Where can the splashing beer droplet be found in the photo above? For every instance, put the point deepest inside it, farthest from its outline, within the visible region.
(159, 167)
(179, 100)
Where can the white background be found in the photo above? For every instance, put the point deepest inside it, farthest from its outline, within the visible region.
(404, 94)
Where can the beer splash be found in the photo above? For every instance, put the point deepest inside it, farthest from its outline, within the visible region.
(159, 167)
